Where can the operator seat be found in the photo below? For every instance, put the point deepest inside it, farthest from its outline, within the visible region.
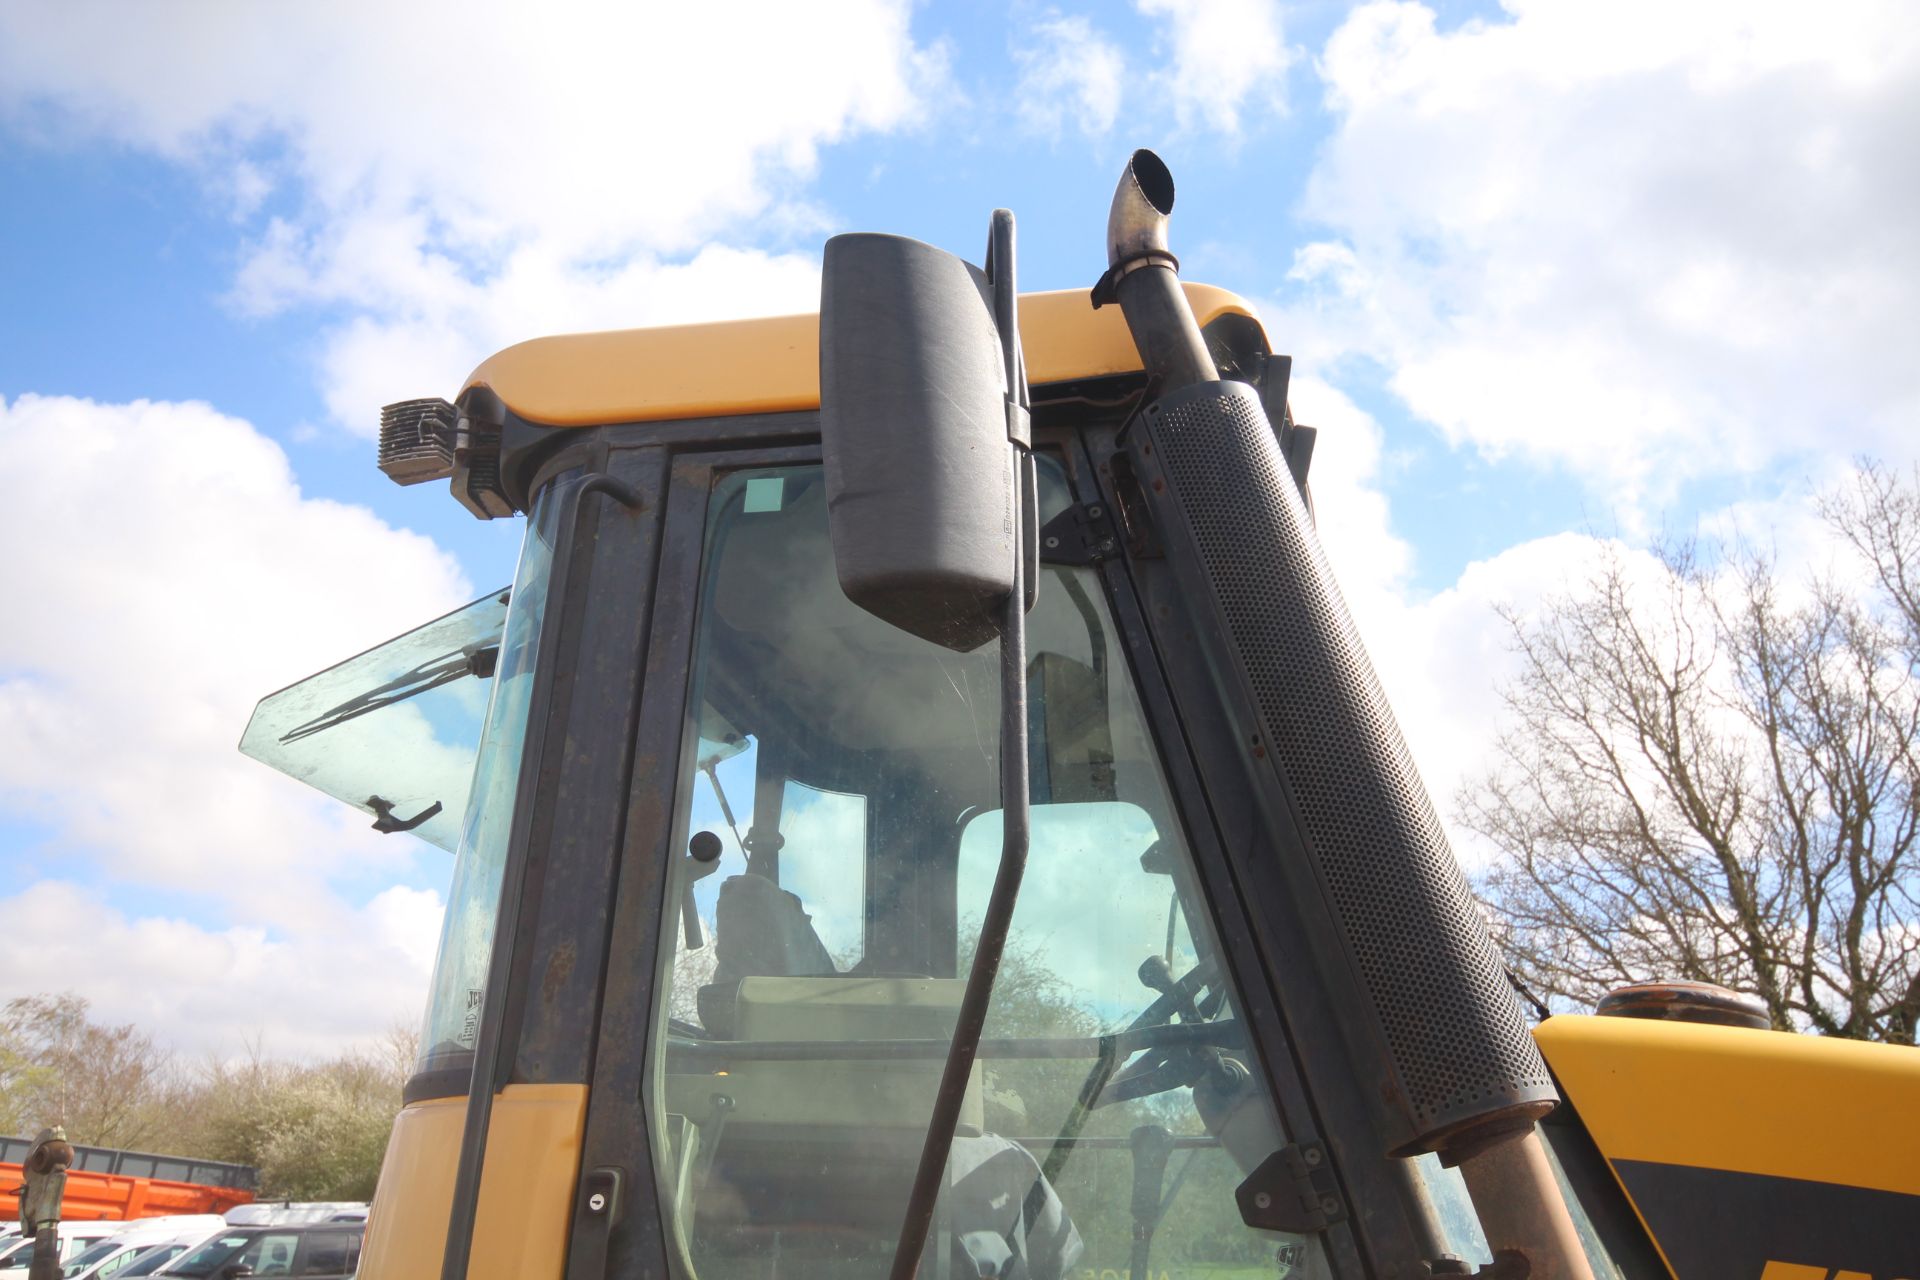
(810, 1161)
(760, 931)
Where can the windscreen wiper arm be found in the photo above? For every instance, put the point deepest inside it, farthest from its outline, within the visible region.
(474, 660)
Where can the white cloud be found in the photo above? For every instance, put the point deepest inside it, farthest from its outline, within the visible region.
(601, 125)
(436, 164)
(166, 573)
(1642, 242)
(1072, 77)
(1439, 657)
(1371, 562)
(1226, 57)
(304, 992)
(1215, 61)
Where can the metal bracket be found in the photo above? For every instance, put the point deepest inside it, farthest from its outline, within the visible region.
(1130, 501)
(1292, 1190)
(1019, 424)
(1079, 535)
(476, 460)
(1104, 288)
(1296, 442)
(1273, 375)
(1297, 447)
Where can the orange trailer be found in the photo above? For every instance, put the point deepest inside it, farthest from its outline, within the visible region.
(105, 1183)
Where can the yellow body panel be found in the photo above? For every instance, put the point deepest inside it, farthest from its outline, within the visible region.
(773, 365)
(526, 1187)
(1764, 1102)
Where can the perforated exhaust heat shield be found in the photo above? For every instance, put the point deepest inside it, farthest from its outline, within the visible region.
(1459, 1068)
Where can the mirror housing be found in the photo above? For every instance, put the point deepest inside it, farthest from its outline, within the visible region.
(921, 481)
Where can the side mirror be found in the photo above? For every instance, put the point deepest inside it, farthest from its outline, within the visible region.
(923, 424)
(237, 1271)
(921, 483)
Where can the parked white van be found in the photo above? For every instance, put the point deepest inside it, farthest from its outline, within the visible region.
(16, 1252)
(139, 1239)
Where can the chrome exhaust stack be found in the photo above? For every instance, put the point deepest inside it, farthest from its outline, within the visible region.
(1143, 277)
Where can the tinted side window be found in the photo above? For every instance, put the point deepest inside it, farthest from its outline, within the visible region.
(115, 1265)
(153, 1259)
(330, 1253)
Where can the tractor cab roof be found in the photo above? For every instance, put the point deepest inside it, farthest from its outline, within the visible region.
(772, 365)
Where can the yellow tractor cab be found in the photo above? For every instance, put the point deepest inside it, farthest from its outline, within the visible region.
(922, 808)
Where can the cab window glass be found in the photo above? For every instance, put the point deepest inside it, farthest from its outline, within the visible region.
(827, 910)
(824, 860)
(821, 853)
(473, 900)
(1097, 902)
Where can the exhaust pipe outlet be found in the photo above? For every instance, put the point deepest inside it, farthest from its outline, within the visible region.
(1137, 222)
(1144, 278)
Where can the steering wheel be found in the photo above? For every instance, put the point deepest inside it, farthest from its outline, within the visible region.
(1160, 1068)
(1196, 996)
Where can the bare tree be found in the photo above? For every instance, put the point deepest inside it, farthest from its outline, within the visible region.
(1712, 772)
(104, 1083)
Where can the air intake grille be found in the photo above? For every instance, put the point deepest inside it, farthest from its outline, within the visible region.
(1453, 1031)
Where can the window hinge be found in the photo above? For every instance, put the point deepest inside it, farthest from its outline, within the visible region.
(1292, 1190)
(1079, 535)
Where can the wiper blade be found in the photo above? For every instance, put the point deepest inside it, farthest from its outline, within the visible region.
(473, 660)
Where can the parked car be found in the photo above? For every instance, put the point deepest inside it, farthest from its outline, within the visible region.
(16, 1252)
(135, 1240)
(312, 1251)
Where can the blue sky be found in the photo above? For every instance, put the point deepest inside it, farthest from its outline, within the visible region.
(1551, 274)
